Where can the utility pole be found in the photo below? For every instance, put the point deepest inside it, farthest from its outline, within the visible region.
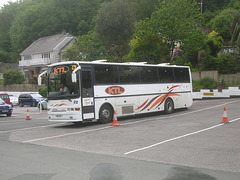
(201, 6)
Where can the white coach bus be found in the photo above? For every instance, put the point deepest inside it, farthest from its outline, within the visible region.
(96, 89)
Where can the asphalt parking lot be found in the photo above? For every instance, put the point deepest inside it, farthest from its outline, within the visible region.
(191, 138)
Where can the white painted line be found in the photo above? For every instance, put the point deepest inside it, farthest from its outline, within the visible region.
(68, 134)
(36, 127)
(179, 137)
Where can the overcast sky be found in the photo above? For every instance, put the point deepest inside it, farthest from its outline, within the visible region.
(2, 2)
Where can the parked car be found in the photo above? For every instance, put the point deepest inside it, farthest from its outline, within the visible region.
(5, 97)
(42, 104)
(31, 99)
(5, 108)
(13, 100)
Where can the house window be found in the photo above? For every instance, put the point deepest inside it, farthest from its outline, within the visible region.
(46, 55)
(27, 57)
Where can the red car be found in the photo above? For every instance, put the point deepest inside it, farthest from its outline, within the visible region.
(5, 97)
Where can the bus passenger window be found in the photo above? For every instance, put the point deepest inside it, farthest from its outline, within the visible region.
(165, 75)
(149, 75)
(106, 74)
(129, 74)
(181, 75)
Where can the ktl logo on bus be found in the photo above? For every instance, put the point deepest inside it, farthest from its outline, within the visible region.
(114, 90)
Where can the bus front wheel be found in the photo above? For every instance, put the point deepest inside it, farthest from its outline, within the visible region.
(168, 106)
(105, 114)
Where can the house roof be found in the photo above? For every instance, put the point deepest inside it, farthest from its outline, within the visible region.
(48, 44)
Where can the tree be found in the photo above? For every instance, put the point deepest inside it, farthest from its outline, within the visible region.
(228, 64)
(195, 42)
(147, 46)
(12, 76)
(215, 43)
(115, 26)
(145, 8)
(175, 20)
(86, 48)
(7, 15)
(35, 19)
(227, 24)
(222, 24)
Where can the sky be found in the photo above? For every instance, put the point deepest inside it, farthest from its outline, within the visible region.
(2, 2)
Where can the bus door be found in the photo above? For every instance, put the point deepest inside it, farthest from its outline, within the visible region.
(87, 94)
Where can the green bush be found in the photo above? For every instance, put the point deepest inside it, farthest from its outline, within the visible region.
(209, 63)
(43, 91)
(12, 76)
(205, 83)
(228, 64)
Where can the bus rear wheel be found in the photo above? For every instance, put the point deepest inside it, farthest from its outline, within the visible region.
(169, 106)
(105, 114)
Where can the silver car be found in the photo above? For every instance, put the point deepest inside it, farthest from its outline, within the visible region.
(42, 104)
(13, 100)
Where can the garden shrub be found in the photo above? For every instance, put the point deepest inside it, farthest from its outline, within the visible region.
(205, 83)
(43, 91)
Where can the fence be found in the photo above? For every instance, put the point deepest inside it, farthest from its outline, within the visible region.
(21, 87)
(230, 79)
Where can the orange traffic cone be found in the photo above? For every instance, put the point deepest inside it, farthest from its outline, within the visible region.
(115, 122)
(225, 119)
(28, 117)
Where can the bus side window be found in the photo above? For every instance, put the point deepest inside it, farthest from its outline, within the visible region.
(182, 75)
(106, 74)
(129, 74)
(149, 75)
(165, 75)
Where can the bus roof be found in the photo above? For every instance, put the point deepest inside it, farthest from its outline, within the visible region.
(113, 63)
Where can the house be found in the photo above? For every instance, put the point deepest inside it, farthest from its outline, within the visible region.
(42, 52)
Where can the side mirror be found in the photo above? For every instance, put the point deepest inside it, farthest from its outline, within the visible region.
(39, 80)
(74, 77)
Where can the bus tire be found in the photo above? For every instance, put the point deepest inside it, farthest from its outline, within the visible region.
(169, 106)
(106, 114)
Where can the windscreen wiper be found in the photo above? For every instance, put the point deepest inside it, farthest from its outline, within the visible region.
(67, 98)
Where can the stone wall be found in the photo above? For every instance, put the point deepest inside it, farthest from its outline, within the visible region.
(232, 79)
(21, 87)
(203, 74)
(229, 79)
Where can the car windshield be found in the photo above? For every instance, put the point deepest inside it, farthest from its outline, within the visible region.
(60, 85)
(4, 96)
(36, 95)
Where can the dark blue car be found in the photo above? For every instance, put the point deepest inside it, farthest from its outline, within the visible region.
(5, 108)
(31, 99)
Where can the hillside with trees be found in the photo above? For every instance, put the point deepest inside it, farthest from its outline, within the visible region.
(182, 32)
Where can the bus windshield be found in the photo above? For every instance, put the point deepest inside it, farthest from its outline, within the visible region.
(60, 85)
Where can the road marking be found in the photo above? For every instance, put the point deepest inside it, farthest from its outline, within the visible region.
(68, 134)
(36, 127)
(124, 124)
(179, 137)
